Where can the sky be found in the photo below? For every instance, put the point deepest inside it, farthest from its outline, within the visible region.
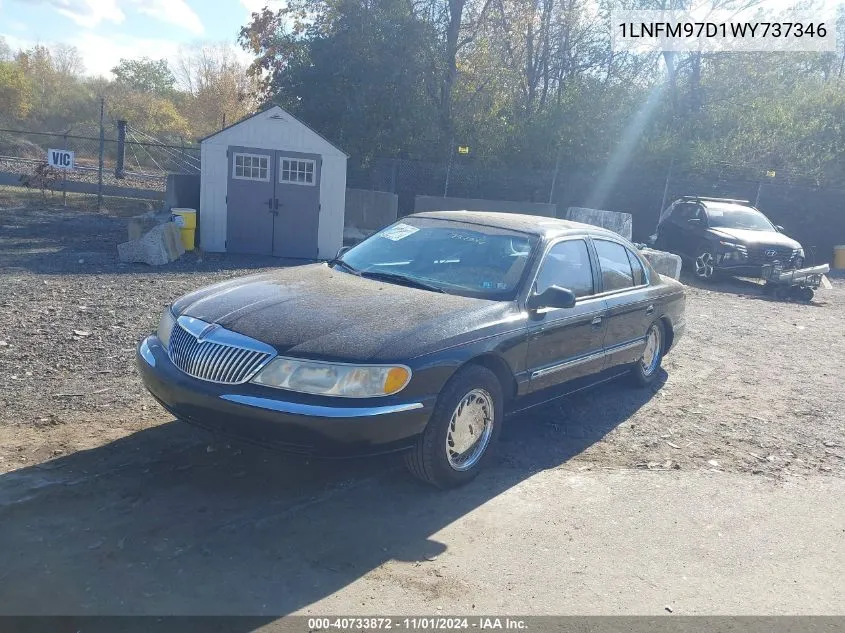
(104, 31)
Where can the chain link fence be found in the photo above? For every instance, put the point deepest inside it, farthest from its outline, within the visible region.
(131, 164)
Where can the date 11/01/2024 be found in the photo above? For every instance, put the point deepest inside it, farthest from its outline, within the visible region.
(636, 30)
(417, 623)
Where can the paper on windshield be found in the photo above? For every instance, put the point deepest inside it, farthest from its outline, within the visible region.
(399, 231)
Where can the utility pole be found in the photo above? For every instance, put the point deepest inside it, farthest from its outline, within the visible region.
(449, 166)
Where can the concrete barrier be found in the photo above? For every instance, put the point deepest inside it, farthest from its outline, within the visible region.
(667, 264)
(435, 203)
(621, 223)
(367, 212)
(160, 245)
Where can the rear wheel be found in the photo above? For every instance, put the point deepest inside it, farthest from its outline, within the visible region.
(648, 366)
(464, 426)
(705, 263)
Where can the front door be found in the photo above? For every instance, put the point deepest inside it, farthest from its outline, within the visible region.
(566, 343)
(296, 205)
(249, 201)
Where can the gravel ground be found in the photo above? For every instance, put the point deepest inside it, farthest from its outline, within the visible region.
(755, 386)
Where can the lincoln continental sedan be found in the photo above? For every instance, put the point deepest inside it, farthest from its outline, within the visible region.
(420, 339)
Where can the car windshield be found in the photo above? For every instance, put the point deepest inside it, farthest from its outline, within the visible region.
(738, 218)
(455, 257)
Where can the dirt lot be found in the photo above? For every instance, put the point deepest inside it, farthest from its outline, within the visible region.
(755, 385)
(110, 506)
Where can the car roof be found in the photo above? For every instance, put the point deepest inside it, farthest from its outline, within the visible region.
(724, 204)
(542, 226)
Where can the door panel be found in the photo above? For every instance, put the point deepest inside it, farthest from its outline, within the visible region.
(566, 343)
(628, 309)
(249, 218)
(296, 205)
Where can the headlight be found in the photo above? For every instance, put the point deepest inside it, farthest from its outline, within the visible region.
(165, 327)
(334, 379)
(800, 253)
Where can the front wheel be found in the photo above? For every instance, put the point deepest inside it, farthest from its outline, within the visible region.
(648, 366)
(705, 264)
(464, 426)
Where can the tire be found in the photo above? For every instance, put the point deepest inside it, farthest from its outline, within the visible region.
(471, 391)
(704, 264)
(645, 372)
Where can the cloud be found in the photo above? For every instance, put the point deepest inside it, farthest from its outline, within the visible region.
(102, 53)
(91, 13)
(87, 13)
(171, 11)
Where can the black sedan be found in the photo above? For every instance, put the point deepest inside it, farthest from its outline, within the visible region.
(420, 339)
(725, 235)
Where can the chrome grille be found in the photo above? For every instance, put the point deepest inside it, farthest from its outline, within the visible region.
(216, 358)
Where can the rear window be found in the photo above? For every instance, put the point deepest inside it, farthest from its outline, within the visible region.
(616, 272)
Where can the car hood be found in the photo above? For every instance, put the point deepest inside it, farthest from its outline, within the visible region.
(767, 238)
(317, 312)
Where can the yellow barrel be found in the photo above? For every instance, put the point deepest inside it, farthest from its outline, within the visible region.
(186, 219)
(839, 256)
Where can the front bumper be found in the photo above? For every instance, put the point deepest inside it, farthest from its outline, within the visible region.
(320, 426)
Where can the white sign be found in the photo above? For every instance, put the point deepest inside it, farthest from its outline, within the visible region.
(61, 158)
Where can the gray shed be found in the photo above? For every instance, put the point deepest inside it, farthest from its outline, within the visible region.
(270, 185)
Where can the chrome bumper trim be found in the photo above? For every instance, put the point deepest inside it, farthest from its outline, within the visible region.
(587, 359)
(146, 353)
(317, 411)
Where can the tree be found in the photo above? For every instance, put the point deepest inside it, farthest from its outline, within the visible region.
(15, 91)
(145, 75)
(217, 87)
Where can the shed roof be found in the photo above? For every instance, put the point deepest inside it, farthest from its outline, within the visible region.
(280, 112)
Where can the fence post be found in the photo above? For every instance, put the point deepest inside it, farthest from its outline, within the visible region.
(759, 190)
(554, 176)
(449, 167)
(119, 169)
(64, 176)
(102, 155)
(666, 187)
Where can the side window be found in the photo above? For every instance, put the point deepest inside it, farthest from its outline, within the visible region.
(637, 267)
(567, 265)
(685, 211)
(616, 272)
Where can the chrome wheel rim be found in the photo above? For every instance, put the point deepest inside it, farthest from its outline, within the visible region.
(469, 431)
(705, 264)
(651, 353)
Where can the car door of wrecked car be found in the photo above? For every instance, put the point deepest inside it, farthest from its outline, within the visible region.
(566, 343)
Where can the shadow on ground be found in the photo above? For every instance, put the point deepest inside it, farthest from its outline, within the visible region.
(156, 523)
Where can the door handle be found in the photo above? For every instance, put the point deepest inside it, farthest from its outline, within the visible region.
(270, 204)
(276, 204)
(649, 309)
(596, 321)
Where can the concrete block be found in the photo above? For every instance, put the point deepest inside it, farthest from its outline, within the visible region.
(436, 203)
(667, 264)
(621, 223)
(160, 245)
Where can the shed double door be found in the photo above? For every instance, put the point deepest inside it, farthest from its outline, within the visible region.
(272, 202)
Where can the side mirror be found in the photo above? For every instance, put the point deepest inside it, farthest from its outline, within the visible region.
(780, 228)
(552, 297)
(342, 251)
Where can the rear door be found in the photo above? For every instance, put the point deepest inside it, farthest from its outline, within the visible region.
(566, 343)
(249, 201)
(629, 308)
(297, 205)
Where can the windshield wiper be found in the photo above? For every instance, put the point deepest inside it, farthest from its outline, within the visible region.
(340, 262)
(401, 280)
